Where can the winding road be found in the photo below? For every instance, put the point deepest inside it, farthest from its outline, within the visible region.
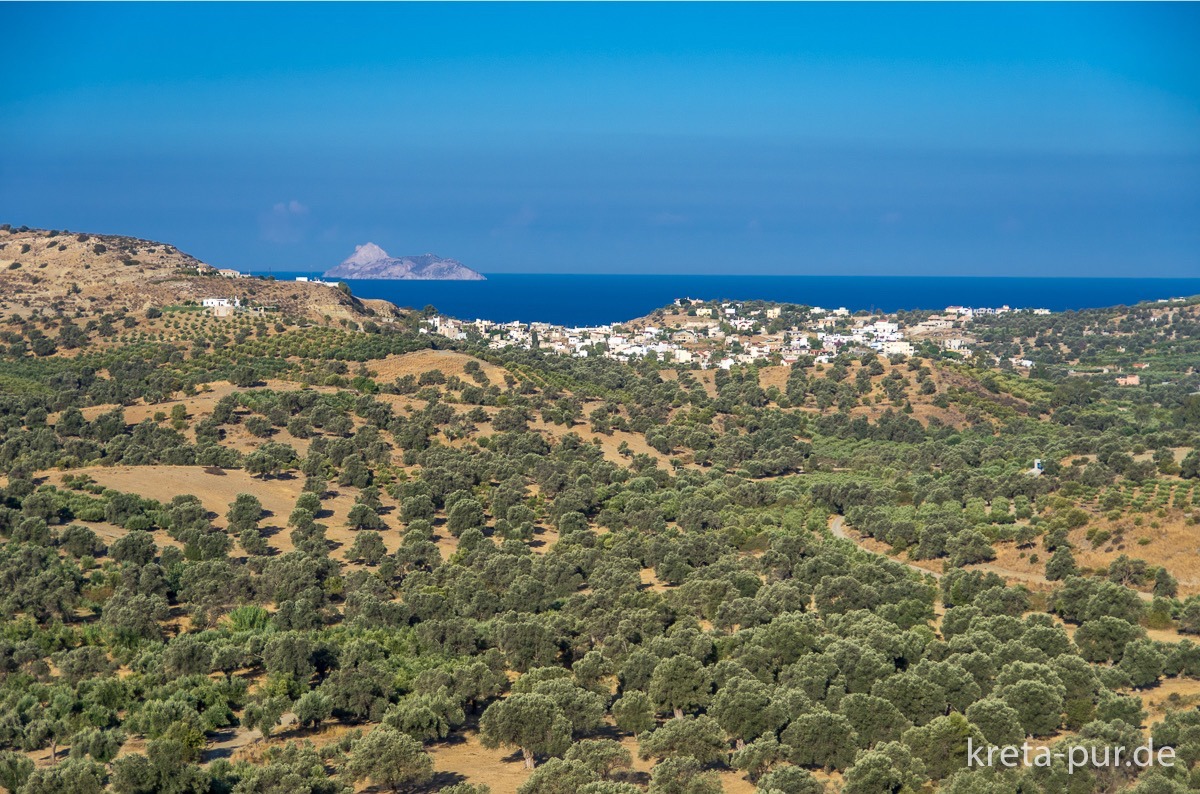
(838, 527)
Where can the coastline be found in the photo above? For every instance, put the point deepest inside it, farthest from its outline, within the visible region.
(589, 299)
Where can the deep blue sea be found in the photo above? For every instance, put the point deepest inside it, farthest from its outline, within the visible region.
(596, 299)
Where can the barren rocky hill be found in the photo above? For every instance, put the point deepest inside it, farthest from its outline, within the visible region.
(371, 261)
(51, 269)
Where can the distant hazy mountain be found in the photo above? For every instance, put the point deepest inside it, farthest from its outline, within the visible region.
(371, 261)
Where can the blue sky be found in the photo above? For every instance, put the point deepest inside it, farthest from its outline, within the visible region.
(989, 139)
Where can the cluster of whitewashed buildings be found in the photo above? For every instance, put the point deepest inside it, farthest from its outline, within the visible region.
(226, 307)
(720, 335)
(967, 312)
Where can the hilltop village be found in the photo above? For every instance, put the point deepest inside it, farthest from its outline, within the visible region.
(700, 334)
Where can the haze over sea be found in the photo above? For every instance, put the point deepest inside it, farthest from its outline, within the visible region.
(590, 299)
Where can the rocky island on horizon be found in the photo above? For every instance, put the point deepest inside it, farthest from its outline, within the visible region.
(371, 261)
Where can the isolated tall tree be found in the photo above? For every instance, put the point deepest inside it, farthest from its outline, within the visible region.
(367, 548)
(312, 708)
(244, 513)
(261, 464)
(363, 517)
(1165, 585)
(417, 508)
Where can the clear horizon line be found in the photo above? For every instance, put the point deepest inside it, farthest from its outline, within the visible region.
(271, 271)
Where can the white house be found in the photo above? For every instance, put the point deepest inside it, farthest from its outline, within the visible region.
(897, 349)
(883, 328)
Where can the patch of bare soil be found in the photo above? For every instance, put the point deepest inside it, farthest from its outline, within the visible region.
(111, 532)
(198, 405)
(103, 272)
(707, 379)
(217, 488)
(1172, 694)
(651, 581)
(610, 444)
(448, 361)
(1174, 544)
(465, 760)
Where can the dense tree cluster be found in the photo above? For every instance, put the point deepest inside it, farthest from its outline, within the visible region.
(509, 573)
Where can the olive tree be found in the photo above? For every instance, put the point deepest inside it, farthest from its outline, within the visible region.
(530, 722)
(389, 758)
(700, 738)
(679, 684)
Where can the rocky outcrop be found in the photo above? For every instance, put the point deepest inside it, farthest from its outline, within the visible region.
(371, 261)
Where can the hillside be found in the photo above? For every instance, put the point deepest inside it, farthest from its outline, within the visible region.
(361, 556)
(51, 269)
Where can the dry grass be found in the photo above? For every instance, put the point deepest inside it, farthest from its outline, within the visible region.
(1174, 545)
(1172, 694)
(449, 362)
(466, 760)
(651, 581)
(217, 491)
(198, 405)
(132, 274)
